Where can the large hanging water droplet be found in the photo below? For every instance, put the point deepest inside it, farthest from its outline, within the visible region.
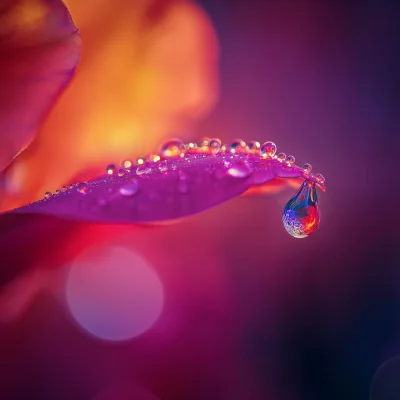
(129, 189)
(268, 149)
(301, 214)
(82, 188)
(172, 148)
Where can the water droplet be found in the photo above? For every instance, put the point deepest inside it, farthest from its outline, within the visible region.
(121, 172)
(111, 169)
(320, 178)
(82, 188)
(64, 188)
(237, 146)
(188, 157)
(215, 146)
(58, 191)
(301, 214)
(268, 149)
(47, 195)
(140, 161)
(307, 168)
(281, 157)
(71, 186)
(127, 164)
(240, 170)
(172, 148)
(129, 189)
(163, 166)
(253, 147)
(290, 160)
(153, 158)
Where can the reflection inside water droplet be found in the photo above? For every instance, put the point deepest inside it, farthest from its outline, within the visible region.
(111, 169)
(82, 188)
(172, 148)
(301, 214)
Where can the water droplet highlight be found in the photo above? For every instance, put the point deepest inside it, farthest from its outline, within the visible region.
(82, 188)
(172, 148)
(301, 215)
(47, 195)
(121, 172)
(240, 171)
(268, 149)
(127, 164)
(163, 166)
(307, 168)
(129, 189)
(111, 169)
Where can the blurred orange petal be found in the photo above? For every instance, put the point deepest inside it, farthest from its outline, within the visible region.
(39, 50)
(148, 70)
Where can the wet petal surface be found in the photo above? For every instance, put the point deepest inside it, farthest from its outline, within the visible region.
(164, 188)
(39, 50)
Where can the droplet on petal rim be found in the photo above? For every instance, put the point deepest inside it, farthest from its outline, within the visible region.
(172, 148)
(111, 169)
(177, 187)
(268, 149)
(39, 51)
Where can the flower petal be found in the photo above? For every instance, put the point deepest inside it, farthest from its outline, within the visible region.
(166, 188)
(39, 50)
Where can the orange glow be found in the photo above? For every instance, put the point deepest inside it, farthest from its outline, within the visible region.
(147, 72)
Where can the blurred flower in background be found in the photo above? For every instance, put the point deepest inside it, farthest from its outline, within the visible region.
(148, 71)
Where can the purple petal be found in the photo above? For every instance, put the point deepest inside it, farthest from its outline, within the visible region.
(167, 188)
(39, 50)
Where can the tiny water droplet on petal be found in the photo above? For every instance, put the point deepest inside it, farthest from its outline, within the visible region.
(140, 161)
(82, 188)
(215, 146)
(172, 148)
(281, 157)
(121, 172)
(301, 214)
(253, 147)
(240, 170)
(290, 160)
(237, 146)
(127, 164)
(111, 169)
(320, 178)
(130, 188)
(64, 188)
(163, 166)
(268, 149)
(47, 195)
(307, 168)
(58, 191)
